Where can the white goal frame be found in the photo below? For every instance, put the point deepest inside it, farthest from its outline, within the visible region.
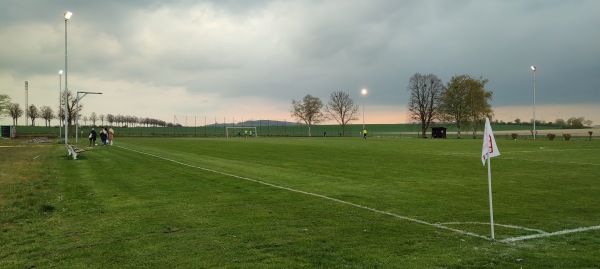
(232, 131)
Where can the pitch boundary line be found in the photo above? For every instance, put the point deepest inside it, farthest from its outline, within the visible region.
(436, 225)
(533, 236)
(519, 159)
(495, 224)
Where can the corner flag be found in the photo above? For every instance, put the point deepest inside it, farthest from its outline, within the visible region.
(489, 148)
(488, 151)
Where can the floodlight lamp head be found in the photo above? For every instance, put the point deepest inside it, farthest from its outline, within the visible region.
(364, 91)
(533, 68)
(68, 15)
(60, 72)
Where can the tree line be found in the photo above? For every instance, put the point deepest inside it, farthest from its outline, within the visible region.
(570, 123)
(15, 111)
(463, 101)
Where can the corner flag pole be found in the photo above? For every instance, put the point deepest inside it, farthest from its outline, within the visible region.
(490, 191)
(488, 151)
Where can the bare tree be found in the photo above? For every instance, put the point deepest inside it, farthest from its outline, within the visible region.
(132, 121)
(110, 118)
(33, 113)
(342, 109)
(308, 111)
(101, 117)
(4, 104)
(93, 118)
(120, 119)
(15, 112)
(85, 119)
(425, 92)
(71, 110)
(47, 114)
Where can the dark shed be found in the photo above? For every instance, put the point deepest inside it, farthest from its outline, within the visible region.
(438, 132)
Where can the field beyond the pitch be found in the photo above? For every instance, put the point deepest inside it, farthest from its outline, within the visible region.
(321, 202)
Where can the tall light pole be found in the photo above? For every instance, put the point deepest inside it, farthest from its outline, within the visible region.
(26, 102)
(68, 15)
(364, 93)
(533, 68)
(77, 113)
(60, 72)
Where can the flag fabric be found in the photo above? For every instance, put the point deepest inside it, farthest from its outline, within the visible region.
(489, 143)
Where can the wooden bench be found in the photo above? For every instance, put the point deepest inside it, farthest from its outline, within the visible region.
(73, 151)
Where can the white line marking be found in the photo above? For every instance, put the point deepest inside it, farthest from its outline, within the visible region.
(582, 229)
(316, 195)
(519, 159)
(496, 224)
(546, 161)
(437, 225)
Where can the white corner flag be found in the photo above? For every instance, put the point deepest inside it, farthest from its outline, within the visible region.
(489, 149)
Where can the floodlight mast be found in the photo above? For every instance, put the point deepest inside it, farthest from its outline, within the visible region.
(60, 72)
(68, 15)
(533, 68)
(364, 93)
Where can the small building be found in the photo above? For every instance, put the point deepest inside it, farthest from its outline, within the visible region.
(438, 132)
(8, 132)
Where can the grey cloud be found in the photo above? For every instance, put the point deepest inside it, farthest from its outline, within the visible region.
(281, 50)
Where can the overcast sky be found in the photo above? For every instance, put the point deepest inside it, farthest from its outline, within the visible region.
(249, 59)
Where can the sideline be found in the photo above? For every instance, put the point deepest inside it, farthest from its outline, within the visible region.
(519, 159)
(436, 225)
(569, 231)
(495, 224)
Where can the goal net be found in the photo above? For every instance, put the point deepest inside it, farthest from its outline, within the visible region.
(243, 131)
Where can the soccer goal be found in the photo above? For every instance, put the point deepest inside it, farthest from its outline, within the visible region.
(241, 132)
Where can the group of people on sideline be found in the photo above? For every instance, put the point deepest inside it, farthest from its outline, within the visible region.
(107, 137)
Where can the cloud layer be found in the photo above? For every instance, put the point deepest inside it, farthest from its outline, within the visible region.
(251, 58)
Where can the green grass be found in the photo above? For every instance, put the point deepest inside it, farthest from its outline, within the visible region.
(297, 203)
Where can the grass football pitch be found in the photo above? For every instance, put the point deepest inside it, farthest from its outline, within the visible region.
(299, 203)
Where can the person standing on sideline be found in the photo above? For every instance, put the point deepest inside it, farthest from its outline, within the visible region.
(111, 136)
(365, 134)
(103, 136)
(92, 137)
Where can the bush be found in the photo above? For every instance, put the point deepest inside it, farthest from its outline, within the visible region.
(514, 136)
(567, 137)
(551, 136)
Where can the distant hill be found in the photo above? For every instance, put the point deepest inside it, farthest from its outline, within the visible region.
(255, 123)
